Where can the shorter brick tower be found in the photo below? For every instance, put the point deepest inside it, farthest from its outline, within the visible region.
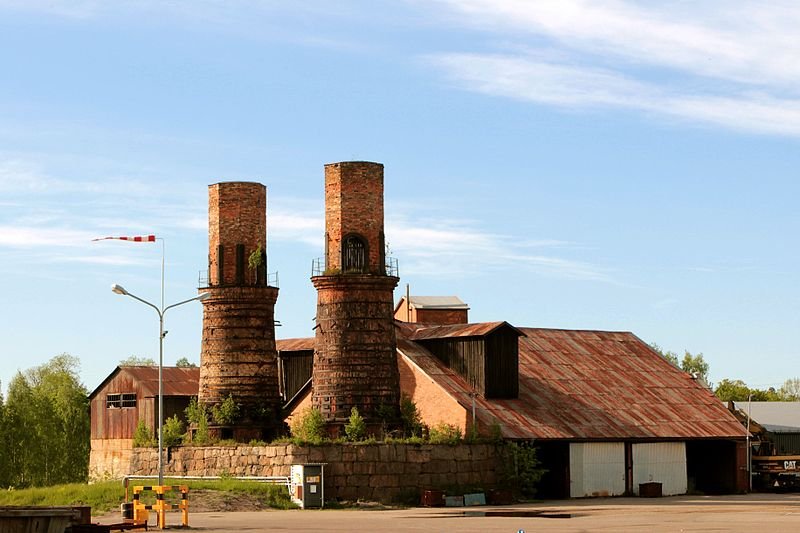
(355, 361)
(238, 358)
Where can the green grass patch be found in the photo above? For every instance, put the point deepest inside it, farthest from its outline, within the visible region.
(106, 496)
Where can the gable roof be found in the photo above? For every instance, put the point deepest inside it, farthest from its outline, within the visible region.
(776, 417)
(419, 332)
(178, 381)
(433, 302)
(590, 385)
(295, 345)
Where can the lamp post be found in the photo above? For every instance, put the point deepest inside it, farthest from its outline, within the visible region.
(118, 289)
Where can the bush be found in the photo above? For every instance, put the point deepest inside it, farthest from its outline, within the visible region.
(197, 414)
(444, 433)
(410, 417)
(356, 428)
(143, 436)
(309, 427)
(172, 432)
(226, 412)
(523, 468)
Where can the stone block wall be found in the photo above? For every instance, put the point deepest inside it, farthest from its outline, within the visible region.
(372, 472)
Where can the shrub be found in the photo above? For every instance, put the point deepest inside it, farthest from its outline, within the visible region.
(444, 433)
(172, 431)
(143, 436)
(356, 428)
(226, 412)
(523, 468)
(309, 427)
(197, 414)
(410, 417)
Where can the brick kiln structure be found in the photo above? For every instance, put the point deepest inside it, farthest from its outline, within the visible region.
(355, 363)
(238, 356)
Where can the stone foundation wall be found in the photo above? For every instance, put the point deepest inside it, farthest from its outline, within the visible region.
(110, 458)
(373, 472)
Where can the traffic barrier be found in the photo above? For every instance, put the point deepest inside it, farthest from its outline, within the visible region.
(141, 511)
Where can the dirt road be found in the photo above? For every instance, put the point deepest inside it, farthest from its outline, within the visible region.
(751, 513)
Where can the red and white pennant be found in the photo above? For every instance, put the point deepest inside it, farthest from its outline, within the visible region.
(137, 238)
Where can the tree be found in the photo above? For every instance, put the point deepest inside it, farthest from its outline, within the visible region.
(184, 362)
(135, 360)
(47, 425)
(672, 357)
(738, 391)
(695, 365)
(791, 390)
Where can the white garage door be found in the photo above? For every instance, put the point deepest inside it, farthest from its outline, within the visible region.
(596, 469)
(662, 462)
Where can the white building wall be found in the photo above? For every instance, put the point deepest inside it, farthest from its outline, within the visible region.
(662, 462)
(596, 469)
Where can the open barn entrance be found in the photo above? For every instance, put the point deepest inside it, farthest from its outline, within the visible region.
(554, 458)
(713, 466)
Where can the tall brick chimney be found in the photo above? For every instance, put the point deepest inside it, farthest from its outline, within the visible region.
(238, 358)
(355, 361)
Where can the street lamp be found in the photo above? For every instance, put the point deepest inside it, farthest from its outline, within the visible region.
(118, 289)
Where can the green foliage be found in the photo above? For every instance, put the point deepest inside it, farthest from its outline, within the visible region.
(693, 364)
(138, 361)
(256, 258)
(45, 422)
(356, 428)
(309, 427)
(738, 391)
(172, 431)
(522, 468)
(197, 415)
(143, 436)
(444, 433)
(226, 412)
(104, 497)
(184, 362)
(495, 432)
(410, 417)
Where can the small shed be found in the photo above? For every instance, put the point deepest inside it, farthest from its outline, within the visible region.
(130, 394)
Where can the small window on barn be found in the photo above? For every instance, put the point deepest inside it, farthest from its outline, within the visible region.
(128, 400)
(113, 401)
(354, 254)
(117, 401)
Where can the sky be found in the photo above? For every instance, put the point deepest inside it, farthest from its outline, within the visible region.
(607, 165)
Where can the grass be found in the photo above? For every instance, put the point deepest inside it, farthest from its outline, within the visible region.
(106, 496)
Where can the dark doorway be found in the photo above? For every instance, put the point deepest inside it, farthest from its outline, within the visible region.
(554, 458)
(354, 254)
(712, 466)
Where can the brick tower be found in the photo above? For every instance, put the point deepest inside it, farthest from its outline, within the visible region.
(355, 361)
(238, 358)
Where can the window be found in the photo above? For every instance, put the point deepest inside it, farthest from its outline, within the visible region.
(354, 254)
(117, 401)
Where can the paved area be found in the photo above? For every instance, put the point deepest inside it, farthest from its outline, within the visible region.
(751, 513)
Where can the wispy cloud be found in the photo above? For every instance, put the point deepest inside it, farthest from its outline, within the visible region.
(438, 247)
(728, 65)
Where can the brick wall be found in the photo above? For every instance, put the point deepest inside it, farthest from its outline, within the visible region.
(354, 204)
(373, 472)
(109, 458)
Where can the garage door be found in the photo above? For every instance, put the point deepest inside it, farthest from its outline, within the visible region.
(596, 469)
(662, 462)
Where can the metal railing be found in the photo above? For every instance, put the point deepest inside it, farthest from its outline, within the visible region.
(204, 280)
(319, 268)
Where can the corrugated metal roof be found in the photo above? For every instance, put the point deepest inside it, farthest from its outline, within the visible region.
(777, 417)
(178, 381)
(590, 385)
(437, 302)
(418, 332)
(295, 345)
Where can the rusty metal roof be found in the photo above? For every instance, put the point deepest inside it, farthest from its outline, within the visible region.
(418, 332)
(295, 345)
(589, 385)
(178, 381)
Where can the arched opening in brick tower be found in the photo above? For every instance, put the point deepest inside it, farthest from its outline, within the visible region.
(354, 254)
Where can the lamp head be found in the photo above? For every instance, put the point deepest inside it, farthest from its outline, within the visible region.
(119, 289)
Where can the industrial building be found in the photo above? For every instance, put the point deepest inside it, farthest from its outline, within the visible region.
(605, 411)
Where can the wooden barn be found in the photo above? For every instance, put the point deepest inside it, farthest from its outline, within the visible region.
(130, 394)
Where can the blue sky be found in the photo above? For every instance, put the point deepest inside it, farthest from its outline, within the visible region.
(610, 165)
